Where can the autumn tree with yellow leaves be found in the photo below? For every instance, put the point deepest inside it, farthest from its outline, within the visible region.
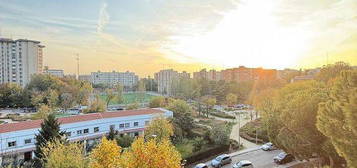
(151, 154)
(159, 128)
(106, 155)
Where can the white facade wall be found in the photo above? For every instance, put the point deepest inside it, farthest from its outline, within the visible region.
(55, 72)
(103, 124)
(19, 59)
(127, 79)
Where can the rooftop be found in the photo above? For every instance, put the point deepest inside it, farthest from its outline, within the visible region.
(9, 127)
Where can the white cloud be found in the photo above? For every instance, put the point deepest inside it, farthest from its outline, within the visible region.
(103, 19)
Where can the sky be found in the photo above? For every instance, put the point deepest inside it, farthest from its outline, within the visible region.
(145, 36)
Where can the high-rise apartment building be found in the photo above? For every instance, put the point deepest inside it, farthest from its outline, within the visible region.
(165, 78)
(19, 60)
(127, 79)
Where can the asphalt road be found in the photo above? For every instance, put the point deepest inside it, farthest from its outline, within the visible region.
(259, 158)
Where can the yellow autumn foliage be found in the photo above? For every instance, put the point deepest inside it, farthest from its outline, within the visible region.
(106, 155)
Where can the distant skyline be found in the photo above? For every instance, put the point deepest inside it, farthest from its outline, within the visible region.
(145, 36)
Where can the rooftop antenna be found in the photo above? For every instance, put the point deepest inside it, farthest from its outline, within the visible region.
(77, 66)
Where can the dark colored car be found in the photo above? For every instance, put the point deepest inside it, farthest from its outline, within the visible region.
(283, 158)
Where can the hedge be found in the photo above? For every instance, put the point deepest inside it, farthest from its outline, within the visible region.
(207, 153)
(222, 115)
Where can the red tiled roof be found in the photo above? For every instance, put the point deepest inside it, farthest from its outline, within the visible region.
(9, 127)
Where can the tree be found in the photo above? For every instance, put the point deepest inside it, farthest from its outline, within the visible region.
(141, 90)
(64, 155)
(133, 106)
(337, 117)
(50, 131)
(66, 101)
(290, 117)
(106, 155)
(112, 134)
(109, 96)
(160, 129)
(332, 71)
(220, 134)
(124, 141)
(97, 106)
(231, 99)
(151, 154)
(84, 91)
(119, 91)
(10, 95)
(157, 101)
(182, 117)
(42, 112)
(209, 102)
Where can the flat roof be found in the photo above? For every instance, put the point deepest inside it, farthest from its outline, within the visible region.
(24, 125)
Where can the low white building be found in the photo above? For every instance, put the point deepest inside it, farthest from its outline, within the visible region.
(17, 140)
(55, 72)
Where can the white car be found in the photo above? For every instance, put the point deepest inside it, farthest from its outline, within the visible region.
(201, 165)
(243, 164)
(268, 146)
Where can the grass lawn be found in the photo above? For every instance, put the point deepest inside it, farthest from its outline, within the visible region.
(130, 98)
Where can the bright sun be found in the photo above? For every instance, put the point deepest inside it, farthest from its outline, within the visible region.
(249, 35)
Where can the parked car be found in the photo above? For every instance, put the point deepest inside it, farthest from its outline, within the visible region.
(221, 160)
(201, 165)
(268, 147)
(243, 164)
(283, 158)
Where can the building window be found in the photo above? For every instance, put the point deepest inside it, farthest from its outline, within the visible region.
(68, 134)
(127, 125)
(136, 124)
(28, 141)
(96, 129)
(11, 144)
(136, 134)
(86, 131)
(121, 125)
(79, 132)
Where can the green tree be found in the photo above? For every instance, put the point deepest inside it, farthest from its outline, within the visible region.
(182, 117)
(119, 91)
(291, 119)
(337, 117)
(125, 141)
(209, 102)
(50, 131)
(332, 71)
(10, 95)
(157, 101)
(133, 106)
(96, 106)
(112, 134)
(42, 112)
(231, 99)
(66, 101)
(84, 91)
(220, 134)
(109, 96)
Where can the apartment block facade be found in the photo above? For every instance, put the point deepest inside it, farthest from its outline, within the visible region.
(19, 60)
(127, 79)
(17, 140)
(55, 72)
(239, 74)
(165, 78)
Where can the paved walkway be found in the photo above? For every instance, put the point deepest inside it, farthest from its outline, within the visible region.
(235, 135)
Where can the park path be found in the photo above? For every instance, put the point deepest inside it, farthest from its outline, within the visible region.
(235, 131)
